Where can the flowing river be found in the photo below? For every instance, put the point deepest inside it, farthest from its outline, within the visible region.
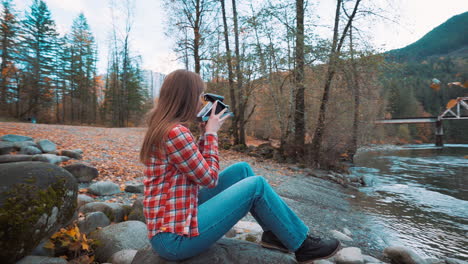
(419, 198)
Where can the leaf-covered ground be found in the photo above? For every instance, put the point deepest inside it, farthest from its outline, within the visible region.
(114, 151)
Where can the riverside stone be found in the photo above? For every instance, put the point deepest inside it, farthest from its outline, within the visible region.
(136, 213)
(70, 153)
(41, 260)
(403, 255)
(134, 187)
(84, 199)
(6, 147)
(21, 144)
(92, 221)
(370, 259)
(15, 138)
(104, 188)
(46, 145)
(114, 211)
(123, 257)
(83, 172)
(36, 199)
(50, 158)
(30, 150)
(340, 236)
(368, 180)
(225, 251)
(350, 255)
(121, 236)
(15, 158)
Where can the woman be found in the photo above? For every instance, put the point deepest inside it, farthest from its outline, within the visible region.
(184, 220)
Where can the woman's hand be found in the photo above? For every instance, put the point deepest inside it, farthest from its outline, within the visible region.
(216, 121)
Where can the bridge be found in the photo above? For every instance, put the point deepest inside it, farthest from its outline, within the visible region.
(457, 109)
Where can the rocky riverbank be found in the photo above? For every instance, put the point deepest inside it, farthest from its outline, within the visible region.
(109, 210)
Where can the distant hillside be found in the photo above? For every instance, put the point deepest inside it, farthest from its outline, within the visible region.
(449, 37)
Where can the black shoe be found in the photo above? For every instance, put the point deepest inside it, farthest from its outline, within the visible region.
(269, 240)
(314, 248)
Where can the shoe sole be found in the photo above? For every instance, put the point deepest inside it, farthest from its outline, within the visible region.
(311, 261)
(271, 246)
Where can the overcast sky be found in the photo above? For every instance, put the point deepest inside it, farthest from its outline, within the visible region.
(415, 18)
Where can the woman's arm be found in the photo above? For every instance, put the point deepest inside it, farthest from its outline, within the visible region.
(200, 167)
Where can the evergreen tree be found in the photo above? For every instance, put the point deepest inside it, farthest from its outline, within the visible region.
(39, 44)
(8, 40)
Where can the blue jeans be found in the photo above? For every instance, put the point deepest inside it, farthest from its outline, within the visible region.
(219, 209)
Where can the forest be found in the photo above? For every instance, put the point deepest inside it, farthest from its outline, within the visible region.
(313, 96)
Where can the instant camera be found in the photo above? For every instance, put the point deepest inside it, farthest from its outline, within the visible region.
(210, 99)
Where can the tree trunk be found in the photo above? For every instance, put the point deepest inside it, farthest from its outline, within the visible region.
(232, 91)
(197, 37)
(333, 58)
(299, 117)
(241, 109)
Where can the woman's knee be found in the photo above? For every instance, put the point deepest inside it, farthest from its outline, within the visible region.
(248, 171)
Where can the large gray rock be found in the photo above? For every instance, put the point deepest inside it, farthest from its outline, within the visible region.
(340, 236)
(15, 138)
(350, 255)
(136, 213)
(36, 199)
(50, 158)
(41, 260)
(114, 238)
(225, 251)
(92, 221)
(134, 187)
(114, 211)
(123, 257)
(403, 255)
(70, 153)
(30, 150)
(82, 172)
(370, 259)
(104, 188)
(15, 158)
(84, 199)
(46, 145)
(6, 147)
(22, 144)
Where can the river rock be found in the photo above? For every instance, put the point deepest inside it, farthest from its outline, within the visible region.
(114, 238)
(347, 232)
(41, 260)
(84, 199)
(50, 158)
(370, 259)
(104, 188)
(134, 187)
(36, 199)
(6, 147)
(322, 261)
(350, 255)
(15, 138)
(368, 180)
(114, 211)
(46, 145)
(92, 221)
(22, 144)
(15, 158)
(340, 236)
(70, 153)
(136, 213)
(454, 261)
(403, 255)
(30, 150)
(83, 172)
(123, 257)
(225, 251)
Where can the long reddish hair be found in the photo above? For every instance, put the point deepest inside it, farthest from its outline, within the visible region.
(179, 100)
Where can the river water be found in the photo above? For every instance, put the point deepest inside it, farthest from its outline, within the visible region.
(419, 198)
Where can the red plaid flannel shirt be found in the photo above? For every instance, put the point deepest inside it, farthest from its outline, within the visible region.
(173, 177)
